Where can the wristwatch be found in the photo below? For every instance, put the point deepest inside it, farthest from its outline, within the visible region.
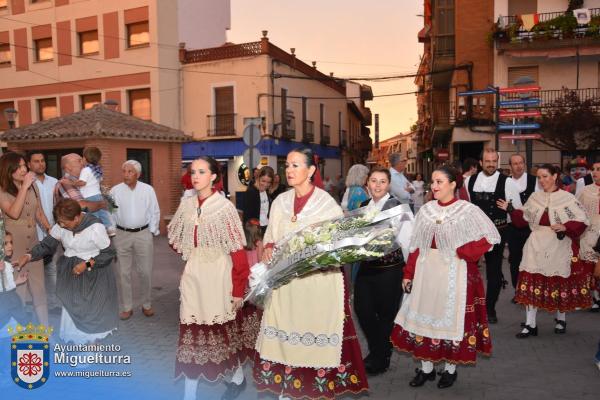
(88, 264)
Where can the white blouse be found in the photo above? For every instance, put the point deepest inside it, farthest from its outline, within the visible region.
(85, 244)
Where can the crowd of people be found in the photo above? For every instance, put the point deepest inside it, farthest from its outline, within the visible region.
(69, 246)
(60, 243)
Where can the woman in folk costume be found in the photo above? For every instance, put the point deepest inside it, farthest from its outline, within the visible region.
(307, 346)
(377, 289)
(444, 318)
(85, 282)
(216, 332)
(551, 275)
(589, 197)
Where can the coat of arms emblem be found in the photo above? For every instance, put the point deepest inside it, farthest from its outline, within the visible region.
(30, 355)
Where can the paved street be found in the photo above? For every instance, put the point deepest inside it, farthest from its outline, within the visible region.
(550, 364)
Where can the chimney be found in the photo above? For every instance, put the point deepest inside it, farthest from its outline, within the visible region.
(314, 63)
(182, 52)
(264, 43)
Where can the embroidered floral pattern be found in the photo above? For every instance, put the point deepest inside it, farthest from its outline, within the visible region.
(555, 292)
(212, 349)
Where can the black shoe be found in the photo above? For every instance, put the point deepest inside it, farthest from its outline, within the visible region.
(563, 326)
(421, 378)
(233, 390)
(492, 319)
(530, 332)
(447, 379)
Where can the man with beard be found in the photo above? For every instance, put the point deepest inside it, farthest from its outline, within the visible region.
(485, 189)
(516, 237)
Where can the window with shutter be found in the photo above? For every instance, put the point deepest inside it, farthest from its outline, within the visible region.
(515, 73)
(224, 119)
(3, 121)
(140, 103)
(138, 34)
(5, 57)
(43, 49)
(90, 100)
(47, 109)
(88, 43)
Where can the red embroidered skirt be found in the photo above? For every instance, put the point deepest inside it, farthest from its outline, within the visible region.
(310, 383)
(212, 351)
(476, 337)
(555, 293)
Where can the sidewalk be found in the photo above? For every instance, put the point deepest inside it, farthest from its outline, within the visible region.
(553, 365)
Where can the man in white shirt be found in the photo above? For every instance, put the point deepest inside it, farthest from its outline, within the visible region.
(484, 190)
(36, 162)
(137, 218)
(400, 187)
(516, 237)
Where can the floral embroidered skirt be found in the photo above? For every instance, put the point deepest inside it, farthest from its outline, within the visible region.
(476, 337)
(555, 293)
(323, 383)
(212, 351)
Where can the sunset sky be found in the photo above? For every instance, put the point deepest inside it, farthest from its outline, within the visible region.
(350, 38)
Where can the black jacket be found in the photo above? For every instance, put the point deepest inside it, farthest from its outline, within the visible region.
(252, 203)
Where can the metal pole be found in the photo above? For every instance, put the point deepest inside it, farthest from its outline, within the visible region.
(497, 115)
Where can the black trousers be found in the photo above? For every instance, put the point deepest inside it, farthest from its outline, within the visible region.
(377, 296)
(493, 273)
(515, 238)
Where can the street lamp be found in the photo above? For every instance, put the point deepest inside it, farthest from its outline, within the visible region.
(11, 116)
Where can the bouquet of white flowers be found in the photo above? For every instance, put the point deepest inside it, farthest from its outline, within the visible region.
(366, 233)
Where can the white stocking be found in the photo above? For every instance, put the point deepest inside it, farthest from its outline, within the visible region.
(427, 366)
(191, 386)
(450, 368)
(561, 316)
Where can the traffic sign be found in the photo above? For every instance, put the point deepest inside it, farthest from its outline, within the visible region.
(510, 127)
(521, 89)
(519, 114)
(525, 136)
(524, 102)
(477, 92)
(251, 157)
(252, 133)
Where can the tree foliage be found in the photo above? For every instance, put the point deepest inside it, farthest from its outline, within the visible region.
(572, 124)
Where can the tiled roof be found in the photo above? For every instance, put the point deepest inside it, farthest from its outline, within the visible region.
(97, 122)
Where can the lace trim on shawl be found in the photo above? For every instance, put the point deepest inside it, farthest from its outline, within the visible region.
(219, 226)
(562, 207)
(590, 199)
(452, 226)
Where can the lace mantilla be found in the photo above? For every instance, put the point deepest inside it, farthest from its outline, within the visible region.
(452, 226)
(562, 207)
(219, 226)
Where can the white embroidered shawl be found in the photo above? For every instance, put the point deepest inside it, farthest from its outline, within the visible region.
(219, 226)
(562, 207)
(590, 199)
(452, 226)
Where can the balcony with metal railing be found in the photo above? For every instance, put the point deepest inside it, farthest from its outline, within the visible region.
(221, 125)
(325, 135)
(551, 30)
(553, 98)
(309, 131)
